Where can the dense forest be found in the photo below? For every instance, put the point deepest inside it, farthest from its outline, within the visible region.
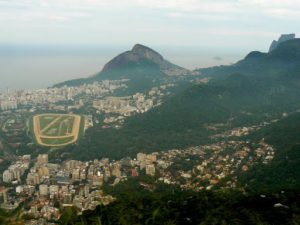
(170, 206)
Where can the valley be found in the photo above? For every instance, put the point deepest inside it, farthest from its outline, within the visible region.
(145, 122)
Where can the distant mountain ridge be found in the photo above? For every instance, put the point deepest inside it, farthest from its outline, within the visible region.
(285, 57)
(145, 64)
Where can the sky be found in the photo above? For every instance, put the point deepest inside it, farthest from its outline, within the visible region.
(223, 23)
(224, 30)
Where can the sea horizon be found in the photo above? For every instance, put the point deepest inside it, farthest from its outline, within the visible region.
(36, 67)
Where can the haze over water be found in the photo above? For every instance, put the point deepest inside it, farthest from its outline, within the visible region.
(212, 30)
(32, 67)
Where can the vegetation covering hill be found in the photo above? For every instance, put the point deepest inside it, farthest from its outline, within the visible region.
(284, 171)
(271, 194)
(259, 88)
(182, 121)
(282, 59)
(171, 206)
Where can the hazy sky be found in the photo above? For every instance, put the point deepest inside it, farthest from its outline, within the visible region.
(249, 24)
(43, 42)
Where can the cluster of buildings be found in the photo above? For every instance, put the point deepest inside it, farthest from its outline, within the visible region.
(108, 108)
(119, 105)
(117, 108)
(8, 104)
(51, 187)
(240, 131)
(15, 171)
(46, 188)
(12, 99)
(12, 177)
(208, 165)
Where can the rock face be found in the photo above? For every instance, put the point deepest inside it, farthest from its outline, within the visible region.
(283, 38)
(141, 56)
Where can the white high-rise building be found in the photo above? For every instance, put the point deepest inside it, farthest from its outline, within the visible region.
(53, 189)
(8, 105)
(150, 170)
(19, 189)
(7, 176)
(141, 157)
(42, 159)
(43, 188)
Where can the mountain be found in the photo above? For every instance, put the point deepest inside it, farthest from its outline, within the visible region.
(269, 193)
(258, 88)
(261, 87)
(183, 120)
(140, 63)
(282, 38)
(141, 57)
(282, 59)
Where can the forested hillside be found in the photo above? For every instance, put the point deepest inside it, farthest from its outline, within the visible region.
(170, 206)
(284, 171)
(235, 100)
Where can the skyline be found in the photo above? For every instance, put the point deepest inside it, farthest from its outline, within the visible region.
(44, 42)
(222, 23)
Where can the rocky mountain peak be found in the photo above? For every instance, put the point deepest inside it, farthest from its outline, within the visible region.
(140, 47)
(139, 57)
(146, 52)
(282, 38)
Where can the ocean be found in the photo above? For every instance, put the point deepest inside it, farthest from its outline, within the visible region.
(32, 67)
